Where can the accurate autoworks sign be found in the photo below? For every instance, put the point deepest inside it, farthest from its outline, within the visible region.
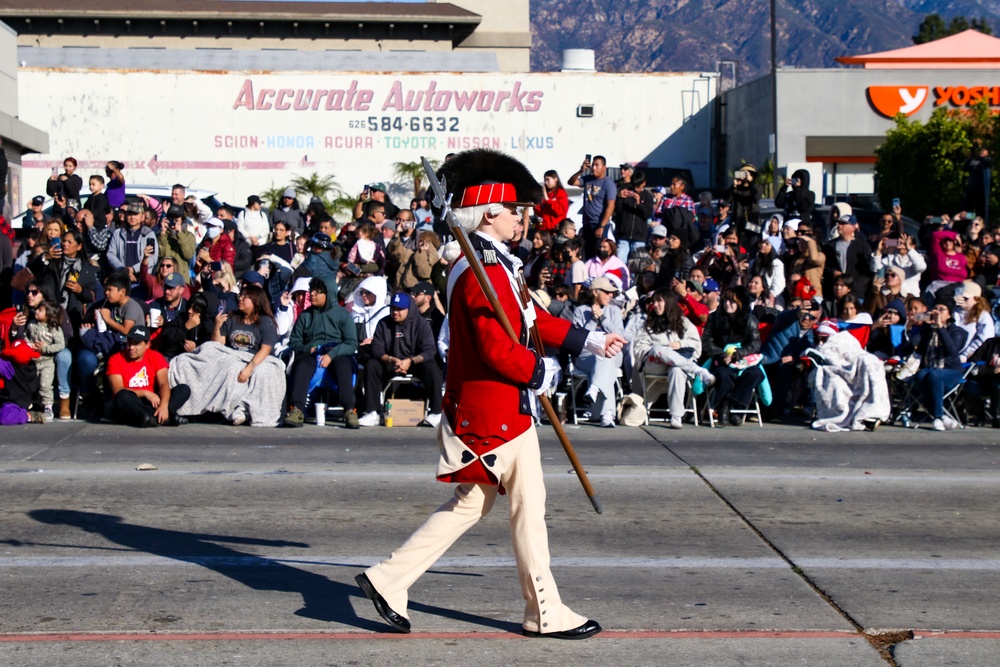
(907, 100)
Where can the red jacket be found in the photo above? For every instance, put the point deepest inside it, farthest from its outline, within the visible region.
(221, 250)
(489, 376)
(553, 209)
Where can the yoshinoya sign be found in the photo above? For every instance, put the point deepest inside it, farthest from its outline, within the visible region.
(907, 100)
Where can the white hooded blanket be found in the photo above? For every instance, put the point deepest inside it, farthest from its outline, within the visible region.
(850, 387)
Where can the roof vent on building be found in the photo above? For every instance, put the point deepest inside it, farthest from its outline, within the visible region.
(578, 60)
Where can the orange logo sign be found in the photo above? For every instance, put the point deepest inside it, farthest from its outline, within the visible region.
(892, 100)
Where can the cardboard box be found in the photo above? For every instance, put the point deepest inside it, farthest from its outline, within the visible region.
(406, 412)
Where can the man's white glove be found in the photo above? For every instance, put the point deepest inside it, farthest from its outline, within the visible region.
(552, 373)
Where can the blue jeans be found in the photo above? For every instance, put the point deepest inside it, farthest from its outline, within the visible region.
(86, 364)
(934, 383)
(625, 247)
(64, 361)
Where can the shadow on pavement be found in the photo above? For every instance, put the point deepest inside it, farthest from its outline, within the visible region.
(323, 599)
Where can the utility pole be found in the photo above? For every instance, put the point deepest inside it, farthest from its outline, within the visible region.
(774, 89)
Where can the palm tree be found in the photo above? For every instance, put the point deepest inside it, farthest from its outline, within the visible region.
(272, 196)
(315, 185)
(413, 171)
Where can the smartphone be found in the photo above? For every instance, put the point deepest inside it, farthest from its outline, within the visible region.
(353, 268)
(150, 243)
(586, 158)
(264, 262)
(55, 171)
(922, 317)
(892, 243)
(216, 266)
(895, 202)
(721, 247)
(19, 308)
(740, 174)
(56, 242)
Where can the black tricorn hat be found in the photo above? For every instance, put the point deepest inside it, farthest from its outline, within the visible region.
(485, 176)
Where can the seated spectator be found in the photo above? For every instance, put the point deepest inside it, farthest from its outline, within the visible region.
(64, 273)
(900, 253)
(790, 337)
(604, 316)
(973, 313)
(983, 389)
(940, 345)
(731, 335)
(803, 257)
(690, 296)
(761, 300)
(369, 305)
(216, 247)
(767, 265)
(428, 306)
(233, 374)
(218, 278)
(282, 244)
(324, 336)
(888, 338)
(189, 328)
(849, 386)
(669, 345)
(833, 305)
(131, 243)
(41, 328)
(576, 271)
(140, 392)
(320, 260)
(883, 290)
(540, 257)
(561, 306)
(153, 284)
(606, 262)
(402, 345)
(172, 303)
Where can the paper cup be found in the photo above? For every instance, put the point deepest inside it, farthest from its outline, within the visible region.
(321, 414)
(154, 316)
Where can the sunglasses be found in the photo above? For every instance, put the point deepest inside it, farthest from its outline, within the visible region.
(33, 292)
(807, 316)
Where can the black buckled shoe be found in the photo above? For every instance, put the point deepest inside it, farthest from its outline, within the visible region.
(585, 631)
(398, 623)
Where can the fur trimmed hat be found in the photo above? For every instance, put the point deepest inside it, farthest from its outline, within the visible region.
(485, 176)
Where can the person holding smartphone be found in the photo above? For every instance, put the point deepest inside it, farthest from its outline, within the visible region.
(130, 244)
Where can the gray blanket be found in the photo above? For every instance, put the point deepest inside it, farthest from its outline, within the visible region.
(211, 372)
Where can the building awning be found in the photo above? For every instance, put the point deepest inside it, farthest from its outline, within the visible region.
(970, 49)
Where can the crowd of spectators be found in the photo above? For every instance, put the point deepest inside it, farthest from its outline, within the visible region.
(152, 312)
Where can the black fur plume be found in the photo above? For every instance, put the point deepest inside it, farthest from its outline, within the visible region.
(483, 165)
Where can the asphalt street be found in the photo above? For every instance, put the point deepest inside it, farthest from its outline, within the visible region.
(749, 546)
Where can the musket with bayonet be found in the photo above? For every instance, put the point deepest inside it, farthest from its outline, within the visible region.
(442, 200)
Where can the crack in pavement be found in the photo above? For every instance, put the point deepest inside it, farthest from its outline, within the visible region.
(884, 642)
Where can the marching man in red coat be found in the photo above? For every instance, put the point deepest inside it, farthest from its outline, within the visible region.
(487, 437)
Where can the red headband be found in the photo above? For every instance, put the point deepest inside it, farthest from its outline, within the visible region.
(492, 193)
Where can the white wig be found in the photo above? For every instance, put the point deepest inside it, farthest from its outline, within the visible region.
(470, 217)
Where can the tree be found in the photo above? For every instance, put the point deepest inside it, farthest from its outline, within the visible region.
(413, 171)
(933, 28)
(924, 164)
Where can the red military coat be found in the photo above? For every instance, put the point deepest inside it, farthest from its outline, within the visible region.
(486, 403)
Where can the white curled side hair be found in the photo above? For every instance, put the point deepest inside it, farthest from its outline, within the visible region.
(470, 216)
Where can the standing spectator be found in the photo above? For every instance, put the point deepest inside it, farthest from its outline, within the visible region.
(374, 193)
(540, 257)
(253, 222)
(767, 265)
(130, 244)
(35, 218)
(176, 242)
(978, 166)
(116, 183)
(599, 194)
(676, 262)
(68, 184)
(633, 210)
(555, 206)
(849, 254)
(745, 196)
(415, 265)
(602, 316)
(141, 394)
(900, 252)
(216, 247)
(420, 208)
(795, 197)
(947, 263)
(669, 344)
(973, 314)
(403, 344)
(288, 211)
(677, 212)
(244, 253)
(324, 336)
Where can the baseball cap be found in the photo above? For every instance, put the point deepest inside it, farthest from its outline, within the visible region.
(968, 290)
(696, 286)
(175, 211)
(289, 193)
(138, 332)
(626, 165)
(659, 230)
(134, 207)
(37, 200)
(214, 222)
(253, 278)
(377, 186)
(710, 285)
(320, 239)
(602, 283)
(253, 199)
(423, 287)
(847, 220)
(401, 300)
(174, 280)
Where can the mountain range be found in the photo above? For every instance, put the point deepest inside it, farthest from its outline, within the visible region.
(695, 35)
